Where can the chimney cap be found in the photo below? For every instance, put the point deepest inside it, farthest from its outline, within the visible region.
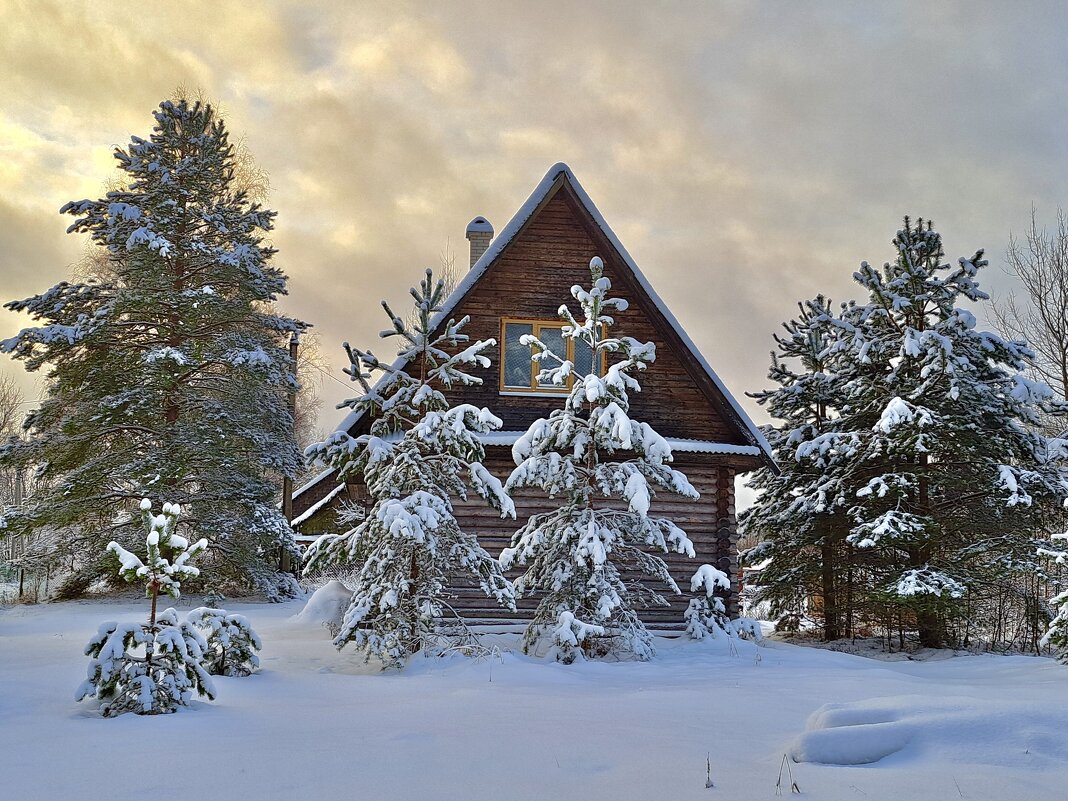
(480, 225)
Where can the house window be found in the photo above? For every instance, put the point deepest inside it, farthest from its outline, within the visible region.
(520, 373)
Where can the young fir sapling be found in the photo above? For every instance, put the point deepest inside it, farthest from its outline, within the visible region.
(152, 668)
(576, 554)
(420, 453)
(230, 641)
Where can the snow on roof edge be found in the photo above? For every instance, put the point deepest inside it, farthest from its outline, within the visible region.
(315, 507)
(505, 439)
(312, 482)
(479, 268)
(519, 219)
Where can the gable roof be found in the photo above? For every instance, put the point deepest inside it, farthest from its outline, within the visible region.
(544, 190)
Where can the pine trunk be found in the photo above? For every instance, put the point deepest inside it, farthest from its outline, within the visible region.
(830, 593)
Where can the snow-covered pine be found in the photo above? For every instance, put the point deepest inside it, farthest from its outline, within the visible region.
(230, 641)
(705, 615)
(168, 373)
(1056, 634)
(801, 519)
(420, 453)
(155, 668)
(938, 438)
(575, 554)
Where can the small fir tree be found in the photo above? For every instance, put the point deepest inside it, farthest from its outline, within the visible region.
(576, 554)
(155, 668)
(706, 614)
(169, 371)
(419, 454)
(230, 641)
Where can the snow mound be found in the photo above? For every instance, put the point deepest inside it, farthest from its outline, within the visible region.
(326, 607)
(967, 730)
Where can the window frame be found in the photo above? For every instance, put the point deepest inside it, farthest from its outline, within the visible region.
(537, 324)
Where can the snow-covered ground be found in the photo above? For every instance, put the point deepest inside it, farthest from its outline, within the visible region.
(318, 724)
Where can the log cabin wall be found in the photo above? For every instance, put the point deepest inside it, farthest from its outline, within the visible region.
(714, 537)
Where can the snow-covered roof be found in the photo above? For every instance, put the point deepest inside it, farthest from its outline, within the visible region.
(514, 226)
(677, 444)
(311, 483)
(319, 504)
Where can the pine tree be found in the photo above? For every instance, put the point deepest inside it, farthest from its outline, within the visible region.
(801, 516)
(419, 454)
(169, 670)
(230, 642)
(168, 375)
(939, 429)
(576, 554)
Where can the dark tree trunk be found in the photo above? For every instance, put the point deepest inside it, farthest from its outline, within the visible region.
(929, 626)
(830, 593)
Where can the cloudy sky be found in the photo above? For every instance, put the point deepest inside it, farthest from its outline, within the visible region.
(748, 154)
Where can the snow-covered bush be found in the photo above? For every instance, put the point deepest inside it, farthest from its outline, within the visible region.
(420, 452)
(576, 553)
(154, 668)
(230, 641)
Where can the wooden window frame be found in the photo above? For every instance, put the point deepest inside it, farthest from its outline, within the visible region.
(537, 324)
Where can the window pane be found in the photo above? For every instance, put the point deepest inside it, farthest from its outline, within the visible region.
(554, 341)
(583, 357)
(516, 355)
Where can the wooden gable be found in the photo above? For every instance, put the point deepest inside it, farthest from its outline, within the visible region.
(533, 276)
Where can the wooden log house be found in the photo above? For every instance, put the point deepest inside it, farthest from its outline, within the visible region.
(515, 286)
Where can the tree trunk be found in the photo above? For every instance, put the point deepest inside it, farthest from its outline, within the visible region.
(929, 626)
(830, 593)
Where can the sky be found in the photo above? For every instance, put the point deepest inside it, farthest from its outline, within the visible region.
(748, 154)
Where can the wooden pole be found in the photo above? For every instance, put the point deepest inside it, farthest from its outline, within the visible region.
(287, 482)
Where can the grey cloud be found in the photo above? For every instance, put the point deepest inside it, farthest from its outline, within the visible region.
(748, 154)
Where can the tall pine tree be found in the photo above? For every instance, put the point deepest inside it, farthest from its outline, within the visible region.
(168, 375)
(913, 438)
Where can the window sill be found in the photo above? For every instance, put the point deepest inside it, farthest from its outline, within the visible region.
(535, 393)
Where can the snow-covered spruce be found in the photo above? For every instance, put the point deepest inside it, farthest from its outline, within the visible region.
(154, 668)
(575, 554)
(1056, 635)
(420, 452)
(230, 641)
(918, 449)
(800, 520)
(168, 369)
(706, 615)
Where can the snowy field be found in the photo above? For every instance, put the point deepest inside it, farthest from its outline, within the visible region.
(316, 724)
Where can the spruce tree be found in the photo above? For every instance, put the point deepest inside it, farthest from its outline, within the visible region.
(939, 432)
(408, 550)
(801, 516)
(168, 375)
(230, 642)
(576, 554)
